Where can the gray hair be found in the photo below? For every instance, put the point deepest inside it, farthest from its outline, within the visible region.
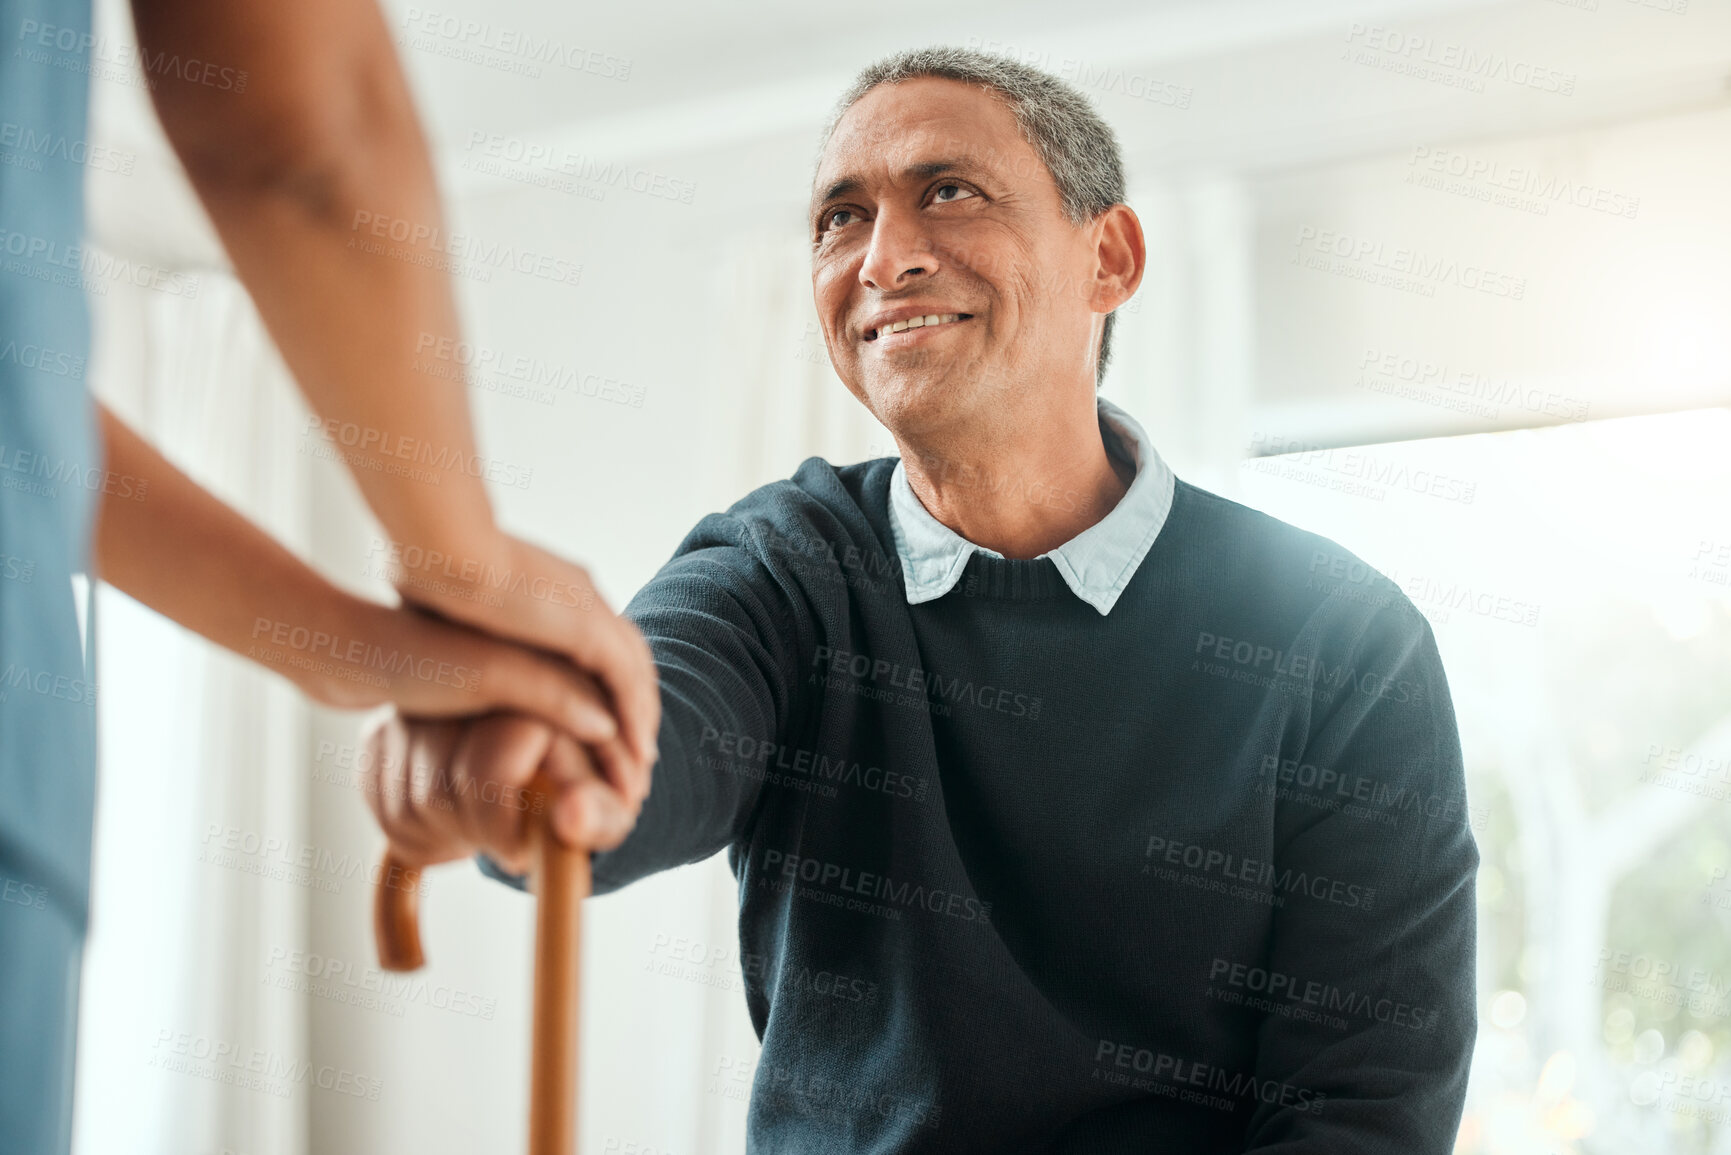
(1077, 147)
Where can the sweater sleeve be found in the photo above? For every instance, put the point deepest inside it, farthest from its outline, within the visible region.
(724, 629)
(1381, 986)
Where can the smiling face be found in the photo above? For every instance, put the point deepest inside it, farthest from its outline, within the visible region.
(949, 283)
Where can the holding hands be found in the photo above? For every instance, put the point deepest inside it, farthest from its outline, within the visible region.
(448, 789)
(516, 637)
(517, 591)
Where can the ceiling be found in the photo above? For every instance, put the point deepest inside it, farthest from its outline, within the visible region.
(1265, 85)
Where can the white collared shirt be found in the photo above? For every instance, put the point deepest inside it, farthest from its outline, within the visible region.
(1097, 564)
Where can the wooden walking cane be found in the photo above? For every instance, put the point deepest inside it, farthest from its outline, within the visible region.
(560, 880)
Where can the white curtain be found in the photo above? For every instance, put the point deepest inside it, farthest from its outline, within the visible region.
(202, 759)
(777, 399)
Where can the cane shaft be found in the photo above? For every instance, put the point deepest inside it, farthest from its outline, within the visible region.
(561, 885)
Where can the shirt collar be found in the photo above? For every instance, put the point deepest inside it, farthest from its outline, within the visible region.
(1097, 564)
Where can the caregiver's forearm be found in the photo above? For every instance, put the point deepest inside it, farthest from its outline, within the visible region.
(176, 548)
(295, 125)
(169, 544)
(319, 136)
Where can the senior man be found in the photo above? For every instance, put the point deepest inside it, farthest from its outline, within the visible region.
(1073, 808)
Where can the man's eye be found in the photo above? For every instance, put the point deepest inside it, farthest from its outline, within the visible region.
(838, 218)
(950, 193)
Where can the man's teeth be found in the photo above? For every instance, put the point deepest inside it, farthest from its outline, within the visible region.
(920, 322)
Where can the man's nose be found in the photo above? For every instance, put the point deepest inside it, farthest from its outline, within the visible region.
(900, 252)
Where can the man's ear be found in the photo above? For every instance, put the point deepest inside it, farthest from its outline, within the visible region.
(1122, 257)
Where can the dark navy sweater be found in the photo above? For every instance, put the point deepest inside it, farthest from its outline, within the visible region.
(1194, 876)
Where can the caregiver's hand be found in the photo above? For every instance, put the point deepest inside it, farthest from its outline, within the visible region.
(370, 654)
(519, 591)
(176, 548)
(445, 790)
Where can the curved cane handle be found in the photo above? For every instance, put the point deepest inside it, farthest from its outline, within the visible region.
(397, 915)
